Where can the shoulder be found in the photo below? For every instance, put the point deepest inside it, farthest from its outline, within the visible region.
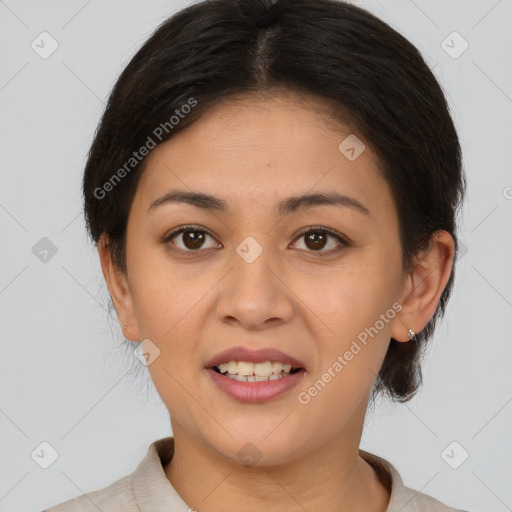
(146, 488)
(403, 498)
(117, 497)
(414, 501)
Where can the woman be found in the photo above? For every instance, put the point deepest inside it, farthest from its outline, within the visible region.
(273, 191)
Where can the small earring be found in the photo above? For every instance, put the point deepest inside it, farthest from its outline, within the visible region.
(412, 334)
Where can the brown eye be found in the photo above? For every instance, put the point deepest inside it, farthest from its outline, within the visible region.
(193, 239)
(318, 239)
(315, 240)
(190, 239)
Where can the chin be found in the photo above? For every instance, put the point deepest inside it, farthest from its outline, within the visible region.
(254, 447)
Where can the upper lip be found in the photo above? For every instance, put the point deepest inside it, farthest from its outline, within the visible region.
(253, 356)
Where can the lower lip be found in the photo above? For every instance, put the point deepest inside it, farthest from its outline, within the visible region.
(255, 391)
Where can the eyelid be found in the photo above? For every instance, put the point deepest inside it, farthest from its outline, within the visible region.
(343, 240)
(332, 232)
(186, 227)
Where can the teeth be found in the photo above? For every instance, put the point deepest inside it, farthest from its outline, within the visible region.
(277, 367)
(232, 367)
(255, 378)
(263, 369)
(245, 369)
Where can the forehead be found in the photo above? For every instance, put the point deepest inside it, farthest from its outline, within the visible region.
(261, 150)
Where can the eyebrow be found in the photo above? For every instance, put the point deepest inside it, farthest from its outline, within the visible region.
(284, 207)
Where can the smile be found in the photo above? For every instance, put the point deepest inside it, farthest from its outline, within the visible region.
(255, 388)
(242, 371)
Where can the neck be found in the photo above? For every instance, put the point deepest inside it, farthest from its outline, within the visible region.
(332, 477)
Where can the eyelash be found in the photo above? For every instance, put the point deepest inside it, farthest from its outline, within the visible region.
(343, 240)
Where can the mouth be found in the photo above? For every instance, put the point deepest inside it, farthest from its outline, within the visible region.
(254, 375)
(254, 388)
(242, 371)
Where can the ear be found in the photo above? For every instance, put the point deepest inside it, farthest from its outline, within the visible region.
(118, 286)
(424, 285)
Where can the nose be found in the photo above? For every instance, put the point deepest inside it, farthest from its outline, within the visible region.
(254, 294)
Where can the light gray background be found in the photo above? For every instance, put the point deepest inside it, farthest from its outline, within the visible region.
(63, 379)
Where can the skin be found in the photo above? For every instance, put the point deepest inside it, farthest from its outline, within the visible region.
(252, 153)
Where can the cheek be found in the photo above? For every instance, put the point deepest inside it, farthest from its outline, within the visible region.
(349, 359)
(347, 299)
(164, 294)
(357, 307)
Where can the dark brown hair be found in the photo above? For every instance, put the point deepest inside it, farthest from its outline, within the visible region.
(375, 81)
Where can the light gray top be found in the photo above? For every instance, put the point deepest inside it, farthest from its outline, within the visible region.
(147, 489)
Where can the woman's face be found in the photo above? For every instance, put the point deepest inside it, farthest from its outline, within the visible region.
(257, 279)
